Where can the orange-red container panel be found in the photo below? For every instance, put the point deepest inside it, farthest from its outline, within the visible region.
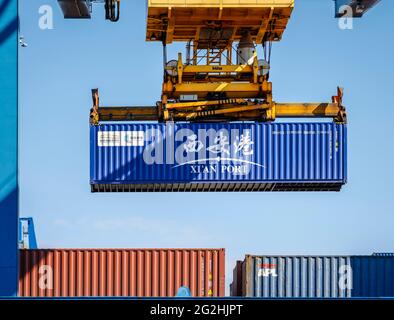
(121, 272)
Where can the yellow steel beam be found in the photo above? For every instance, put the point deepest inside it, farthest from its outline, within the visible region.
(268, 112)
(194, 104)
(189, 15)
(202, 88)
(170, 27)
(264, 27)
(301, 110)
(127, 113)
(220, 14)
(227, 110)
(244, 68)
(251, 112)
(238, 4)
(219, 112)
(230, 89)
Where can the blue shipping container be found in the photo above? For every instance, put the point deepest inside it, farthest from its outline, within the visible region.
(314, 277)
(218, 157)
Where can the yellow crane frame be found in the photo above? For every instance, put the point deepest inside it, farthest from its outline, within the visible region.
(227, 110)
(223, 90)
(185, 20)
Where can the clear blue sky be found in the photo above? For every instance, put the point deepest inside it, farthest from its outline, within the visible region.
(60, 66)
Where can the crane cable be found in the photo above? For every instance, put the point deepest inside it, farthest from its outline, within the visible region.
(267, 48)
(112, 10)
(267, 45)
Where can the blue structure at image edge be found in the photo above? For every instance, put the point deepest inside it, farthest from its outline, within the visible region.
(8, 148)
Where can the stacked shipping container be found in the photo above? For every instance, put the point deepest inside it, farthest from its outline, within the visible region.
(314, 276)
(123, 272)
(161, 272)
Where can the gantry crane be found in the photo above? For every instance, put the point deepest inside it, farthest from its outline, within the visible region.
(221, 78)
(8, 107)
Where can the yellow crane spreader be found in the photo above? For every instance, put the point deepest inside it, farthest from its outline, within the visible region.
(221, 77)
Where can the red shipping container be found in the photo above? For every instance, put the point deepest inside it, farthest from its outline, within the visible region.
(121, 272)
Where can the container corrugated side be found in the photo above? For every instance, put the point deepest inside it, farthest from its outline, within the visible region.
(218, 157)
(317, 276)
(373, 276)
(121, 272)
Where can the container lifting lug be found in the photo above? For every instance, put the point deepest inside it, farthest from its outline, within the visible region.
(342, 116)
(94, 114)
